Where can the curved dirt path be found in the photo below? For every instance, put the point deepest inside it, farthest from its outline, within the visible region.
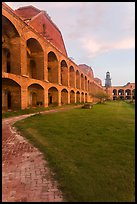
(26, 176)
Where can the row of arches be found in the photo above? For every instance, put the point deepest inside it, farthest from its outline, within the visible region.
(57, 71)
(12, 95)
(123, 94)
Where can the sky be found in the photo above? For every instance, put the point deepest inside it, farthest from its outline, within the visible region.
(98, 34)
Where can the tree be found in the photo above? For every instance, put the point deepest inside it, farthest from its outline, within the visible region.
(101, 95)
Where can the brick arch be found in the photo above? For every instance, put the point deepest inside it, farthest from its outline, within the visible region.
(72, 96)
(35, 37)
(53, 96)
(72, 76)
(11, 47)
(64, 96)
(77, 97)
(78, 79)
(86, 84)
(11, 94)
(53, 67)
(39, 83)
(54, 51)
(128, 93)
(82, 97)
(13, 78)
(82, 81)
(35, 59)
(35, 95)
(64, 73)
(121, 93)
(133, 93)
(13, 22)
(86, 97)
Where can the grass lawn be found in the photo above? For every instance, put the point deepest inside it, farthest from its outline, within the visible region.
(32, 110)
(92, 151)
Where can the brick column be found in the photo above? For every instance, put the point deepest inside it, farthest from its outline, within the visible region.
(23, 60)
(45, 66)
(68, 78)
(59, 73)
(75, 97)
(74, 79)
(68, 97)
(45, 98)
(24, 97)
(59, 98)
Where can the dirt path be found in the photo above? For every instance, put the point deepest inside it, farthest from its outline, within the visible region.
(26, 176)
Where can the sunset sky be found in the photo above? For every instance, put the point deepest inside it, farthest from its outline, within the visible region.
(99, 34)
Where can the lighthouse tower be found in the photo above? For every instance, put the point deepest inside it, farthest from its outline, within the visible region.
(108, 80)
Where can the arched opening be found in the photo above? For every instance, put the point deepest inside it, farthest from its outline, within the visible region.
(72, 76)
(52, 68)
(114, 94)
(35, 95)
(133, 94)
(121, 94)
(11, 95)
(64, 73)
(72, 96)
(82, 97)
(90, 87)
(128, 94)
(11, 53)
(6, 54)
(77, 97)
(64, 96)
(86, 98)
(82, 81)
(86, 85)
(77, 79)
(9, 99)
(53, 96)
(35, 59)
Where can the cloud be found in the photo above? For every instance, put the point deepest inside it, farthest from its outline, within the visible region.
(95, 46)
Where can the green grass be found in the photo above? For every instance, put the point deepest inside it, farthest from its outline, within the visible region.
(92, 151)
(31, 110)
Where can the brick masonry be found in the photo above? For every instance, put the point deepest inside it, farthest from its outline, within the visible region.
(26, 176)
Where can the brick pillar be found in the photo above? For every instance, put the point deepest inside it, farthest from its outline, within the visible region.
(24, 97)
(75, 97)
(45, 98)
(4, 61)
(80, 97)
(15, 55)
(68, 78)
(59, 98)
(59, 73)
(23, 58)
(84, 97)
(84, 84)
(74, 79)
(80, 81)
(68, 97)
(45, 66)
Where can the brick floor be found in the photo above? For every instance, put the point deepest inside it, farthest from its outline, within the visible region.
(26, 176)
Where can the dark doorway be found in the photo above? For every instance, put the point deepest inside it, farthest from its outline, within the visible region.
(9, 99)
(50, 99)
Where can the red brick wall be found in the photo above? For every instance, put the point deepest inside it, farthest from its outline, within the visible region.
(27, 12)
(52, 33)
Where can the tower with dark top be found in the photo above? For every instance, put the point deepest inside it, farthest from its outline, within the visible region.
(108, 80)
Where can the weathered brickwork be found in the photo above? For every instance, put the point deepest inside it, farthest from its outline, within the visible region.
(126, 92)
(35, 66)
